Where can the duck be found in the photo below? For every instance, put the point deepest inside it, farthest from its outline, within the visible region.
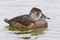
(35, 19)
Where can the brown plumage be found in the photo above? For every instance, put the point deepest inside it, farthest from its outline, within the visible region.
(34, 19)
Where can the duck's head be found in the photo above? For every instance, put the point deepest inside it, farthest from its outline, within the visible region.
(37, 14)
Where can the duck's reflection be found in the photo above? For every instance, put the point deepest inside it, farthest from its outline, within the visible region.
(32, 32)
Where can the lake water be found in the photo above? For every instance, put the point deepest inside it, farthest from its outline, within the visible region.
(13, 8)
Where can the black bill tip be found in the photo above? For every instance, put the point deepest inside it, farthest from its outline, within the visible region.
(43, 16)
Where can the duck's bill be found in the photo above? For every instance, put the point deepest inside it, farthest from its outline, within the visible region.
(43, 16)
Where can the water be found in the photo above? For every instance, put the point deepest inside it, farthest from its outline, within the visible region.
(12, 8)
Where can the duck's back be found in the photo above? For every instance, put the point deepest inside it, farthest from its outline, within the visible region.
(24, 19)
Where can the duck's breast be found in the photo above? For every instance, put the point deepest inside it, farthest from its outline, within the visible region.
(42, 23)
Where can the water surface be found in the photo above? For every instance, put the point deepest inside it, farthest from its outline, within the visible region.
(13, 8)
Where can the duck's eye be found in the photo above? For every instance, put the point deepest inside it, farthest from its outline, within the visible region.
(37, 13)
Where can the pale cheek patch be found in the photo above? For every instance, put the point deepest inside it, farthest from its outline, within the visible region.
(35, 17)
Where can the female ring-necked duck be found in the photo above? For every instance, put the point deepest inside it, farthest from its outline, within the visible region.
(34, 19)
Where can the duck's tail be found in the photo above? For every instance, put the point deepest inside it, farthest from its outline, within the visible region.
(6, 20)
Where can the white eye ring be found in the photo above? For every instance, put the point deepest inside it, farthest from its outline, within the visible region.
(40, 15)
